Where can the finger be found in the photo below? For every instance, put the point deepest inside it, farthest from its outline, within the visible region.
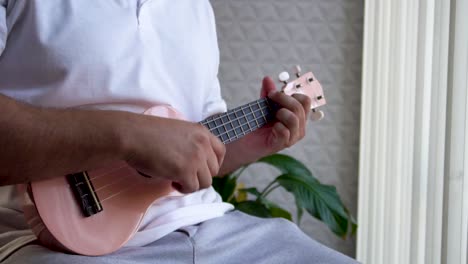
(177, 186)
(268, 86)
(291, 122)
(219, 150)
(289, 103)
(294, 106)
(188, 185)
(281, 136)
(305, 102)
(204, 177)
(212, 163)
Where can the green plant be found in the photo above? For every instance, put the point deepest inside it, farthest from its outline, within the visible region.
(319, 200)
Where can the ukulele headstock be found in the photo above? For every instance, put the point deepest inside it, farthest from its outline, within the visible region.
(308, 85)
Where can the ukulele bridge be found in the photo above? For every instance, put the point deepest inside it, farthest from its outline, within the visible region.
(84, 193)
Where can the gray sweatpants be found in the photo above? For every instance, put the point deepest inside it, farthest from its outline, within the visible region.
(233, 238)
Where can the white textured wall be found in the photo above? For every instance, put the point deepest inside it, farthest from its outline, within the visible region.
(264, 37)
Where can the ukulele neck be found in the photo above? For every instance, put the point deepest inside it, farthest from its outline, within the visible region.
(240, 121)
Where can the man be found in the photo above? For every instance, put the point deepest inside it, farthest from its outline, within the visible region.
(75, 78)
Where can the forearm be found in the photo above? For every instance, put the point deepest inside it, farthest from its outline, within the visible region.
(239, 153)
(40, 143)
(232, 161)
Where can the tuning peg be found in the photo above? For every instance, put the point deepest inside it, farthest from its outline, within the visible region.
(316, 115)
(284, 77)
(298, 70)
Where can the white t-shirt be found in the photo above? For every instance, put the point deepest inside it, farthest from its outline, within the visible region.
(119, 55)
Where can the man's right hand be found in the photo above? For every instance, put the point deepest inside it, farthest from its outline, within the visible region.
(41, 143)
(185, 153)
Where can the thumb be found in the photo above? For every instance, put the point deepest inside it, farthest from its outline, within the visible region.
(268, 85)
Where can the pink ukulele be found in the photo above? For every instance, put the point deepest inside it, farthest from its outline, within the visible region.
(97, 212)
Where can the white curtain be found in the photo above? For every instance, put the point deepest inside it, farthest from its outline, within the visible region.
(413, 188)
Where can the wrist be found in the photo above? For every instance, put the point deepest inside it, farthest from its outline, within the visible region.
(238, 154)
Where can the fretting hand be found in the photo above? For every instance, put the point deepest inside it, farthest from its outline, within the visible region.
(288, 128)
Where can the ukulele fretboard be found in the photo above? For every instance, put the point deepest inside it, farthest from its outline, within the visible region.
(240, 121)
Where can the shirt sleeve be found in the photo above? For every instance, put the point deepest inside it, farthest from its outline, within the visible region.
(3, 26)
(214, 102)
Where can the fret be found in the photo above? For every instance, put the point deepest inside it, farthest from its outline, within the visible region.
(236, 131)
(239, 132)
(242, 133)
(236, 123)
(261, 114)
(221, 129)
(253, 124)
(233, 135)
(243, 120)
(255, 105)
(230, 127)
(255, 121)
(265, 114)
(217, 122)
(224, 138)
(246, 125)
(253, 114)
(211, 124)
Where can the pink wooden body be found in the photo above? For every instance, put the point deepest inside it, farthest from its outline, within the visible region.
(63, 225)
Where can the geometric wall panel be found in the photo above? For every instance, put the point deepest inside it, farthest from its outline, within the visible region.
(265, 37)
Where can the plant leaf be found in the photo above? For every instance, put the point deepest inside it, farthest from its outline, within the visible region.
(277, 211)
(225, 186)
(288, 165)
(254, 191)
(254, 208)
(300, 212)
(321, 201)
(354, 225)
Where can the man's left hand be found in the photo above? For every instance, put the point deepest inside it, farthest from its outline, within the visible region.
(288, 128)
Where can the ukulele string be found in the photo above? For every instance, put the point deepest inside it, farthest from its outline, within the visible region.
(121, 191)
(112, 183)
(107, 173)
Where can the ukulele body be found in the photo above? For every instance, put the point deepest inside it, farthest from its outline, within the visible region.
(52, 211)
